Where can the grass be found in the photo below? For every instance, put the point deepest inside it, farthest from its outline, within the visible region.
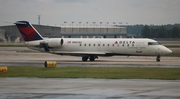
(173, 46)
(94, 72)
(174, 54)
(12, 45)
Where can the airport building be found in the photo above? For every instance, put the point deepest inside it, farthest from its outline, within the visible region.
(11, 34)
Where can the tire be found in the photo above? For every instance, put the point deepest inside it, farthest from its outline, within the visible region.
(92, 58)
(84, 58)
(158, 59)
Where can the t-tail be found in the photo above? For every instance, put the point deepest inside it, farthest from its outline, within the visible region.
(28, 32)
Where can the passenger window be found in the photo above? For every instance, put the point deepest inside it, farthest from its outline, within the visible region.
(120, 42)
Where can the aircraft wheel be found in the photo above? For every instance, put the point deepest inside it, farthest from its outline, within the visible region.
(158, 59)
(85, 58)
(92, 58)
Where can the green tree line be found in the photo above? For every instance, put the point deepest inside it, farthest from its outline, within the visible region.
(137, 30)
(160, 32)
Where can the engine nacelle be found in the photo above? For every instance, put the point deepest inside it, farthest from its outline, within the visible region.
(54, 42)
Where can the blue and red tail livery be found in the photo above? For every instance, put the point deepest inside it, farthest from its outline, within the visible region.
(28, 32)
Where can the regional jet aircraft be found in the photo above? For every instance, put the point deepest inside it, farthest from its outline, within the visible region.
(90, 48)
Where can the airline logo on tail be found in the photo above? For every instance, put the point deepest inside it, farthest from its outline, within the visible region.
(28, 32)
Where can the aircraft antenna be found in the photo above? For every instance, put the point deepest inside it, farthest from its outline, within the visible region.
(39, 18)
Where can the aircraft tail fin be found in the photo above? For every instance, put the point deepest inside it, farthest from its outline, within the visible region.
(28, 32)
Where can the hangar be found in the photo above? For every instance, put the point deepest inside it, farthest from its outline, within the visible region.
(11, 34)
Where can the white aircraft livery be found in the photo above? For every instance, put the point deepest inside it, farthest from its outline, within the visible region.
(90, 48)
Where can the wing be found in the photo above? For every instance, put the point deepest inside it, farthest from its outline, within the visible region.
(78, 53)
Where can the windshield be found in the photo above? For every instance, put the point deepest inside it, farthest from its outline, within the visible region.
(154, 43)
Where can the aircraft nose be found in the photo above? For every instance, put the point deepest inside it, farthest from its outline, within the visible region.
(167, 51)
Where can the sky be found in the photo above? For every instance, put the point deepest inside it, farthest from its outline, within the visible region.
(56, 12)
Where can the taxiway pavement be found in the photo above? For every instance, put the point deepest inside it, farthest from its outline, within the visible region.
(38, 88)
(38, 59)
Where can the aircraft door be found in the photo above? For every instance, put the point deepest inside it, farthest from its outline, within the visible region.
(139, 47)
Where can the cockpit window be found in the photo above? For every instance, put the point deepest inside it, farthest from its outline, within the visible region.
(154, 43)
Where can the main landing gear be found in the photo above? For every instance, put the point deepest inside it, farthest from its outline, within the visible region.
(158, 58)
(91, 58)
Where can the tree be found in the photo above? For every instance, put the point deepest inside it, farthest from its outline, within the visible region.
(175, 32)
(162, 32)
(145, 31)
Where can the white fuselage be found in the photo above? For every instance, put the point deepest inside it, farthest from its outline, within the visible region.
(101, 46)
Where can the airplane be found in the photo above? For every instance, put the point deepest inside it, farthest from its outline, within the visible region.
(90, 48)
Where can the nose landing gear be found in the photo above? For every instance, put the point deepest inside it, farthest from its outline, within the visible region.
(158, 58)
